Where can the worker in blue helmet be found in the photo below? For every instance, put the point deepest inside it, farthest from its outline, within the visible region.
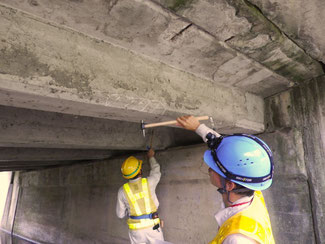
(240, 166)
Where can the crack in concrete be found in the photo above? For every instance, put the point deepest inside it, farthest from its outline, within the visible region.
(248, 3)
(228, 39)
(282, 32)
(180, 32)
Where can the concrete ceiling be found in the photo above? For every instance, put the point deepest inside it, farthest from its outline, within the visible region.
(77, 76)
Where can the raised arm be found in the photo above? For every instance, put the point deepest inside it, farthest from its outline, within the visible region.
(154, 175)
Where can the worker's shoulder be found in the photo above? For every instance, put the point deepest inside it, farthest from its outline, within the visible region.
(120, 190)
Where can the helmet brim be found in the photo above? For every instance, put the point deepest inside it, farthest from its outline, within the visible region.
(208, 159)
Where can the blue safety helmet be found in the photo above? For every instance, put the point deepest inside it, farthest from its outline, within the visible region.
(243, 159)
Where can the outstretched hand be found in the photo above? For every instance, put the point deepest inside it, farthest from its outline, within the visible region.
(151, 153)
(188, 122)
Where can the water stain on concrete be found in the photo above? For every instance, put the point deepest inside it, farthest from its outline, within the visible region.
(21, 62)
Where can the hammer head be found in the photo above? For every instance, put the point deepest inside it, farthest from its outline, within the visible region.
(212, 123)
(143, 128)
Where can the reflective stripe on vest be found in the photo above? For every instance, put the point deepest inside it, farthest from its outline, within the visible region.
(146, 204)
(253, 222)
(133, 198)
(144, 224)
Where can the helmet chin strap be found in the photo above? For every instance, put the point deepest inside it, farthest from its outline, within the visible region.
(223, 190)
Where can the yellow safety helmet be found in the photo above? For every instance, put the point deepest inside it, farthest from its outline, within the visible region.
(131, 167)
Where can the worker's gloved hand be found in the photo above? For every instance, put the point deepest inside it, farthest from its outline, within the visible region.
(188, 122)
(151, 153)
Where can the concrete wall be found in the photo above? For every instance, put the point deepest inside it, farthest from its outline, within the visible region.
(295, 130)
(76, 204)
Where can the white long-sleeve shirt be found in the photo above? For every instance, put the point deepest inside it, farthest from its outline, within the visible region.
(226, 213)
(203, 130)
(122, 205)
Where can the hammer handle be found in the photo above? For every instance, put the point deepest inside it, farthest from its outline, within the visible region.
(172, 122)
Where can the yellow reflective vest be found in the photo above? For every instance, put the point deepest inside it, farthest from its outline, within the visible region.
(253, 222)
(141, 203)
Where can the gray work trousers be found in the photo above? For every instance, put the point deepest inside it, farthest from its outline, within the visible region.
(146, 236)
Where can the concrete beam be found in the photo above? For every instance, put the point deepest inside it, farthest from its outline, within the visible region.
(300, 20)
(49, 67)
(145, 27)
(14, 165)
(242, 26)
(23, 168)
(51, 154)
(38, 129)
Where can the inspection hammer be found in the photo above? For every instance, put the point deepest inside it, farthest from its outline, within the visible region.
(144, 126)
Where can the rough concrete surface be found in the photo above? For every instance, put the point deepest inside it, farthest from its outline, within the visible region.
(288, 201)
(72, 73)
(28, 154)
(146, 28)
(242, 26)
(296, 131)
(76, 77)
(32, 139)
(301, 20)
(56, 130)
(76, 204)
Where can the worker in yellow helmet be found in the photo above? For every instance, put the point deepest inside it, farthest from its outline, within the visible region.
(240, 166)
(138, 201)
